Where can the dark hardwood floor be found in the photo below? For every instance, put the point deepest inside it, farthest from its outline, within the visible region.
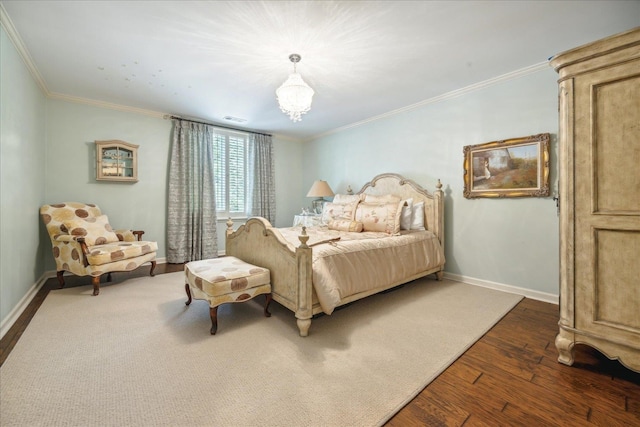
(509, 377)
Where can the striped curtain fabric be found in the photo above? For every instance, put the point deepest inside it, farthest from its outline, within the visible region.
(191, 217)
(262, 188)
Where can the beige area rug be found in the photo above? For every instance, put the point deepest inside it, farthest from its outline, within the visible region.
(137, 356)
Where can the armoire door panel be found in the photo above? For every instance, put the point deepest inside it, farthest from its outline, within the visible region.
(617, 265)
(616, 151)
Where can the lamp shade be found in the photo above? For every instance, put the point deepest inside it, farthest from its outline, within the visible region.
(320, 189)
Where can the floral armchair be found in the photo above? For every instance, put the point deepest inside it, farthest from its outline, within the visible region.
(85, 244)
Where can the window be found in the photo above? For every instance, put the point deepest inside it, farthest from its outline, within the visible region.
(230, 172)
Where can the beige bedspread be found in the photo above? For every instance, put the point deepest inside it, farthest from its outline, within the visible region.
(364, 261)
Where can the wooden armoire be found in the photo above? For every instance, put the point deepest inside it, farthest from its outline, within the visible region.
(599, 186)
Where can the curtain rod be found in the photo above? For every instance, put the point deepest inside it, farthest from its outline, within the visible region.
(171, 116)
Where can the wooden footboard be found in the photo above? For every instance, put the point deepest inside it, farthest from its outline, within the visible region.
(257, 242)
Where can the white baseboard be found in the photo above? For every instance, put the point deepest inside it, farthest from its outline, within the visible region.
(13, 316)
(537, 295)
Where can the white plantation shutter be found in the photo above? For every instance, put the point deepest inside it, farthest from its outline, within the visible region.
(230, 170)
(219, 168)
(237, 175)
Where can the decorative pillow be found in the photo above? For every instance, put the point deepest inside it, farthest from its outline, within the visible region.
(386, 198)
(95, 230)
(382, 217)
(417, 220)
(333, 211)
(406, 215)
(346, 225)
(343, 199)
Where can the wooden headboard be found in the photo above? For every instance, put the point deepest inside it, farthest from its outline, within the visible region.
(392, 183)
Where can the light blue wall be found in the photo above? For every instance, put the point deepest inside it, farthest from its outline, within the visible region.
(289, 165)
(22, 169)
(510, 242)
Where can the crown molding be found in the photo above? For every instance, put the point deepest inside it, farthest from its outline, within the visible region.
(108, 105)
(449, 95)
(21, 48)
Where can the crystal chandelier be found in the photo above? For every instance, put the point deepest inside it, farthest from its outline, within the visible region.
(294, 95)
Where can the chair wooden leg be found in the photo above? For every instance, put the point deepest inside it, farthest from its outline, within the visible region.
(60, 275)
(153, 267)
(186, 288)
(266, 305)
(213, 311)
(109, 277)
(95, 281)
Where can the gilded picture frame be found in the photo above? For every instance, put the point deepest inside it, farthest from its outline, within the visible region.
(517, 167)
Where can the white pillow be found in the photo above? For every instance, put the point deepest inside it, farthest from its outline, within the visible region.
(417, 221)
(334, 211)
(406, 215)
(381, 217)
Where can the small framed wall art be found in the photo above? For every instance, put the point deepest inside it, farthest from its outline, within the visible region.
(517, 167)
(116, 161)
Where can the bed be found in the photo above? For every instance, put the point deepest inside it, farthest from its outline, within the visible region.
(318, 269)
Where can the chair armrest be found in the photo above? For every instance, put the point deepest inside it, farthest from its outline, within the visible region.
(126, 235)
(65, 238)
(70, 238)
(73, 240)
(85, 250)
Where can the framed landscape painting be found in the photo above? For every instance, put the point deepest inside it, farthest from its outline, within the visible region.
(517, 167)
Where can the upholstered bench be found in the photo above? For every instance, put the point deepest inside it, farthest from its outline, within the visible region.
(226, 279)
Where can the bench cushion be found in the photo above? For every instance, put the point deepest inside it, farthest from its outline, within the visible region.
(225, 275)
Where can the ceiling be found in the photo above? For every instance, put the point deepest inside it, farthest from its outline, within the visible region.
(211, 59)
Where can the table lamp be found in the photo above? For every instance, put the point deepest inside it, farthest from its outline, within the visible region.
(319, 189)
